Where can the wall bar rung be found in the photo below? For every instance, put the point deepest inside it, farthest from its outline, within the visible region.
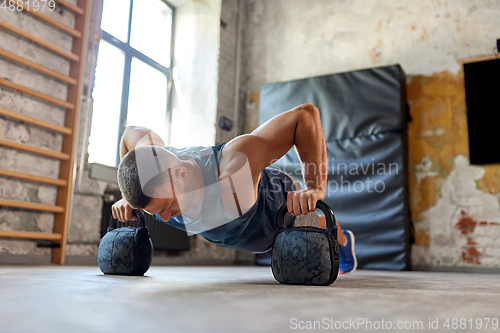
(34, 178)
(51, 21)
(37, 94)
(73, 8)
(66, 168)
(37, 67)
(34, 121)
(72, 103)
(39, 41)
(30, 235)
(34, 150)
(31, 205)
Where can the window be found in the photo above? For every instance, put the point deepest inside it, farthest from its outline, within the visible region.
(132, 75)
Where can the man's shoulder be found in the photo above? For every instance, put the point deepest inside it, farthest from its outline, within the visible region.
(190, 151)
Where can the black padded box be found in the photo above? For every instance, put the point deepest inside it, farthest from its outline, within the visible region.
(364, 115)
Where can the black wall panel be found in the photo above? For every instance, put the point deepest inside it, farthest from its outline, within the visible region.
(163, 236)
(482, 84)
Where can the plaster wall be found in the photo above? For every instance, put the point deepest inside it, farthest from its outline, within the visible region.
(196, 54)
(455, 206)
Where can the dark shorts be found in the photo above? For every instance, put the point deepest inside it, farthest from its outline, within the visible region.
(309, 220)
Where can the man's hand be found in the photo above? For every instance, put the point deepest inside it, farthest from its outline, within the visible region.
(304, 201)
(122, 211)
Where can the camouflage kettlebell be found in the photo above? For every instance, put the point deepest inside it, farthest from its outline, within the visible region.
(126, 250)
(306, 255)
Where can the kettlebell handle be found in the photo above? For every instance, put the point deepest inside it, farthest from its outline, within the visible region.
(321, 205)
(140, 217)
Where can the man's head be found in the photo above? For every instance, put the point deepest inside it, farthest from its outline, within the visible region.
(151, 178)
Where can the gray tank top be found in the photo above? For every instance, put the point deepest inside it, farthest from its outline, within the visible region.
(253, 231)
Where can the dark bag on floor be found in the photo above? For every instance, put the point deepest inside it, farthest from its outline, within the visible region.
(306, 255)
(126, 250)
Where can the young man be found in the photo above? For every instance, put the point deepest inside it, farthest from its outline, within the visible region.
(227, 193)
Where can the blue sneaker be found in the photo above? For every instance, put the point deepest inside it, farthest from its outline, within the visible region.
(348, 261)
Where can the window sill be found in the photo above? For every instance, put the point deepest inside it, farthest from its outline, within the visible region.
(103, 172)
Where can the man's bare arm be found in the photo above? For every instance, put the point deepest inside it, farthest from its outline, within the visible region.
(301, 127)
(135, 136)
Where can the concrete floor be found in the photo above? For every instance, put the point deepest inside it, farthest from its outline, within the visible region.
(235, 299)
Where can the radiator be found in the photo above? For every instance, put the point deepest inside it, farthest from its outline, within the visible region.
(163, 236)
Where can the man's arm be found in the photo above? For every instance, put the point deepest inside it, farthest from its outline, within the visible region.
(135, 136)
(301, 127)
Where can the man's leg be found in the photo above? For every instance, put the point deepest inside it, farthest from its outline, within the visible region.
(341, 237)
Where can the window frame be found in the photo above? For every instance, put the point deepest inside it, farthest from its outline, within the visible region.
(130, 53)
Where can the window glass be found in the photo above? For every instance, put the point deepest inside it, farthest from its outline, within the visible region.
(115, 14)
(184, 125)
(151, 29)
(107, 97)
(147, 102)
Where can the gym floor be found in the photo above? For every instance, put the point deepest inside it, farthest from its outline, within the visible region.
(236, 299)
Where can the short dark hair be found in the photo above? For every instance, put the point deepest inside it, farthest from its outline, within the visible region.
(129, 182)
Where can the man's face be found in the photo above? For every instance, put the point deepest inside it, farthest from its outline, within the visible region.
(165, 207)
(165, 203)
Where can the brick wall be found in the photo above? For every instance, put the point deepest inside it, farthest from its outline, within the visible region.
(14, 219)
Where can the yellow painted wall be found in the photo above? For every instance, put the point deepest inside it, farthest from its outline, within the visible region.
(461, 229)
(439, 130)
